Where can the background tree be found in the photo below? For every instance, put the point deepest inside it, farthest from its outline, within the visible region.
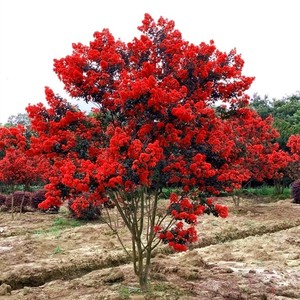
(286, 115)
(19, 119)
(263, 106)
(16, 167)
(285, 112)
(293, 169)
(257, 156)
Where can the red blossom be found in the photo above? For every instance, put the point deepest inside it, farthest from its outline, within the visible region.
(221, 210)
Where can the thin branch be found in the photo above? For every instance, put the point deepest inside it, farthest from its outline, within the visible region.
(115, 230)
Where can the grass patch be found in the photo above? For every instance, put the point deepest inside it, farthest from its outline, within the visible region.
(266, 192)
(126, 291)
(60, 223)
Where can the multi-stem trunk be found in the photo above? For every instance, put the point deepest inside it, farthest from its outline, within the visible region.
(139, 213)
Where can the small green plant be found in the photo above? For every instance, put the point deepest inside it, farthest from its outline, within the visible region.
(57, 250)
(160, 289)
(126, 291)
(55, 231)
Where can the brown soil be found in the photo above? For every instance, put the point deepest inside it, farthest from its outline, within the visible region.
(253, 254)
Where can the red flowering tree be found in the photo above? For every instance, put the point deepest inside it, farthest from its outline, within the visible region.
(156, 127)
(293, 170)
(257, 155)
(16, 167)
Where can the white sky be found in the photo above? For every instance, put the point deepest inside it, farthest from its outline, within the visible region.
(34, 32)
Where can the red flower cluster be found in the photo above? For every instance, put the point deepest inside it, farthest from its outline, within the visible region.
(294, 144)
(84, 208)
(147, 161)
(178, 238)
(221, 210)
(183, 209)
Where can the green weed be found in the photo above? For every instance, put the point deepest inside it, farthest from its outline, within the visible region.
(57, 250)
(59, 224)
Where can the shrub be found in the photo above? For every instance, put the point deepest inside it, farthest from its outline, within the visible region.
(296, 191)
(83, 208)
(2, 199)
(19, 200)
(38, 197)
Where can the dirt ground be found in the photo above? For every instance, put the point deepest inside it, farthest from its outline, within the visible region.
(253, 254)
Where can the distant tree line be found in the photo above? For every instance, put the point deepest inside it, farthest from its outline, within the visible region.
(285, 112)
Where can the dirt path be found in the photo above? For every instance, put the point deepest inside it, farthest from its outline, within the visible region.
(253, 254)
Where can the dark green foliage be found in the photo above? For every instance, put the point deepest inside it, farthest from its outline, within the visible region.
(19, 119)
(296, 191)
(263, 106)
(285, 112)
(166, 192)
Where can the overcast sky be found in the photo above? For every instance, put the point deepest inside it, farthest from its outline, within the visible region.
(34, 32)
